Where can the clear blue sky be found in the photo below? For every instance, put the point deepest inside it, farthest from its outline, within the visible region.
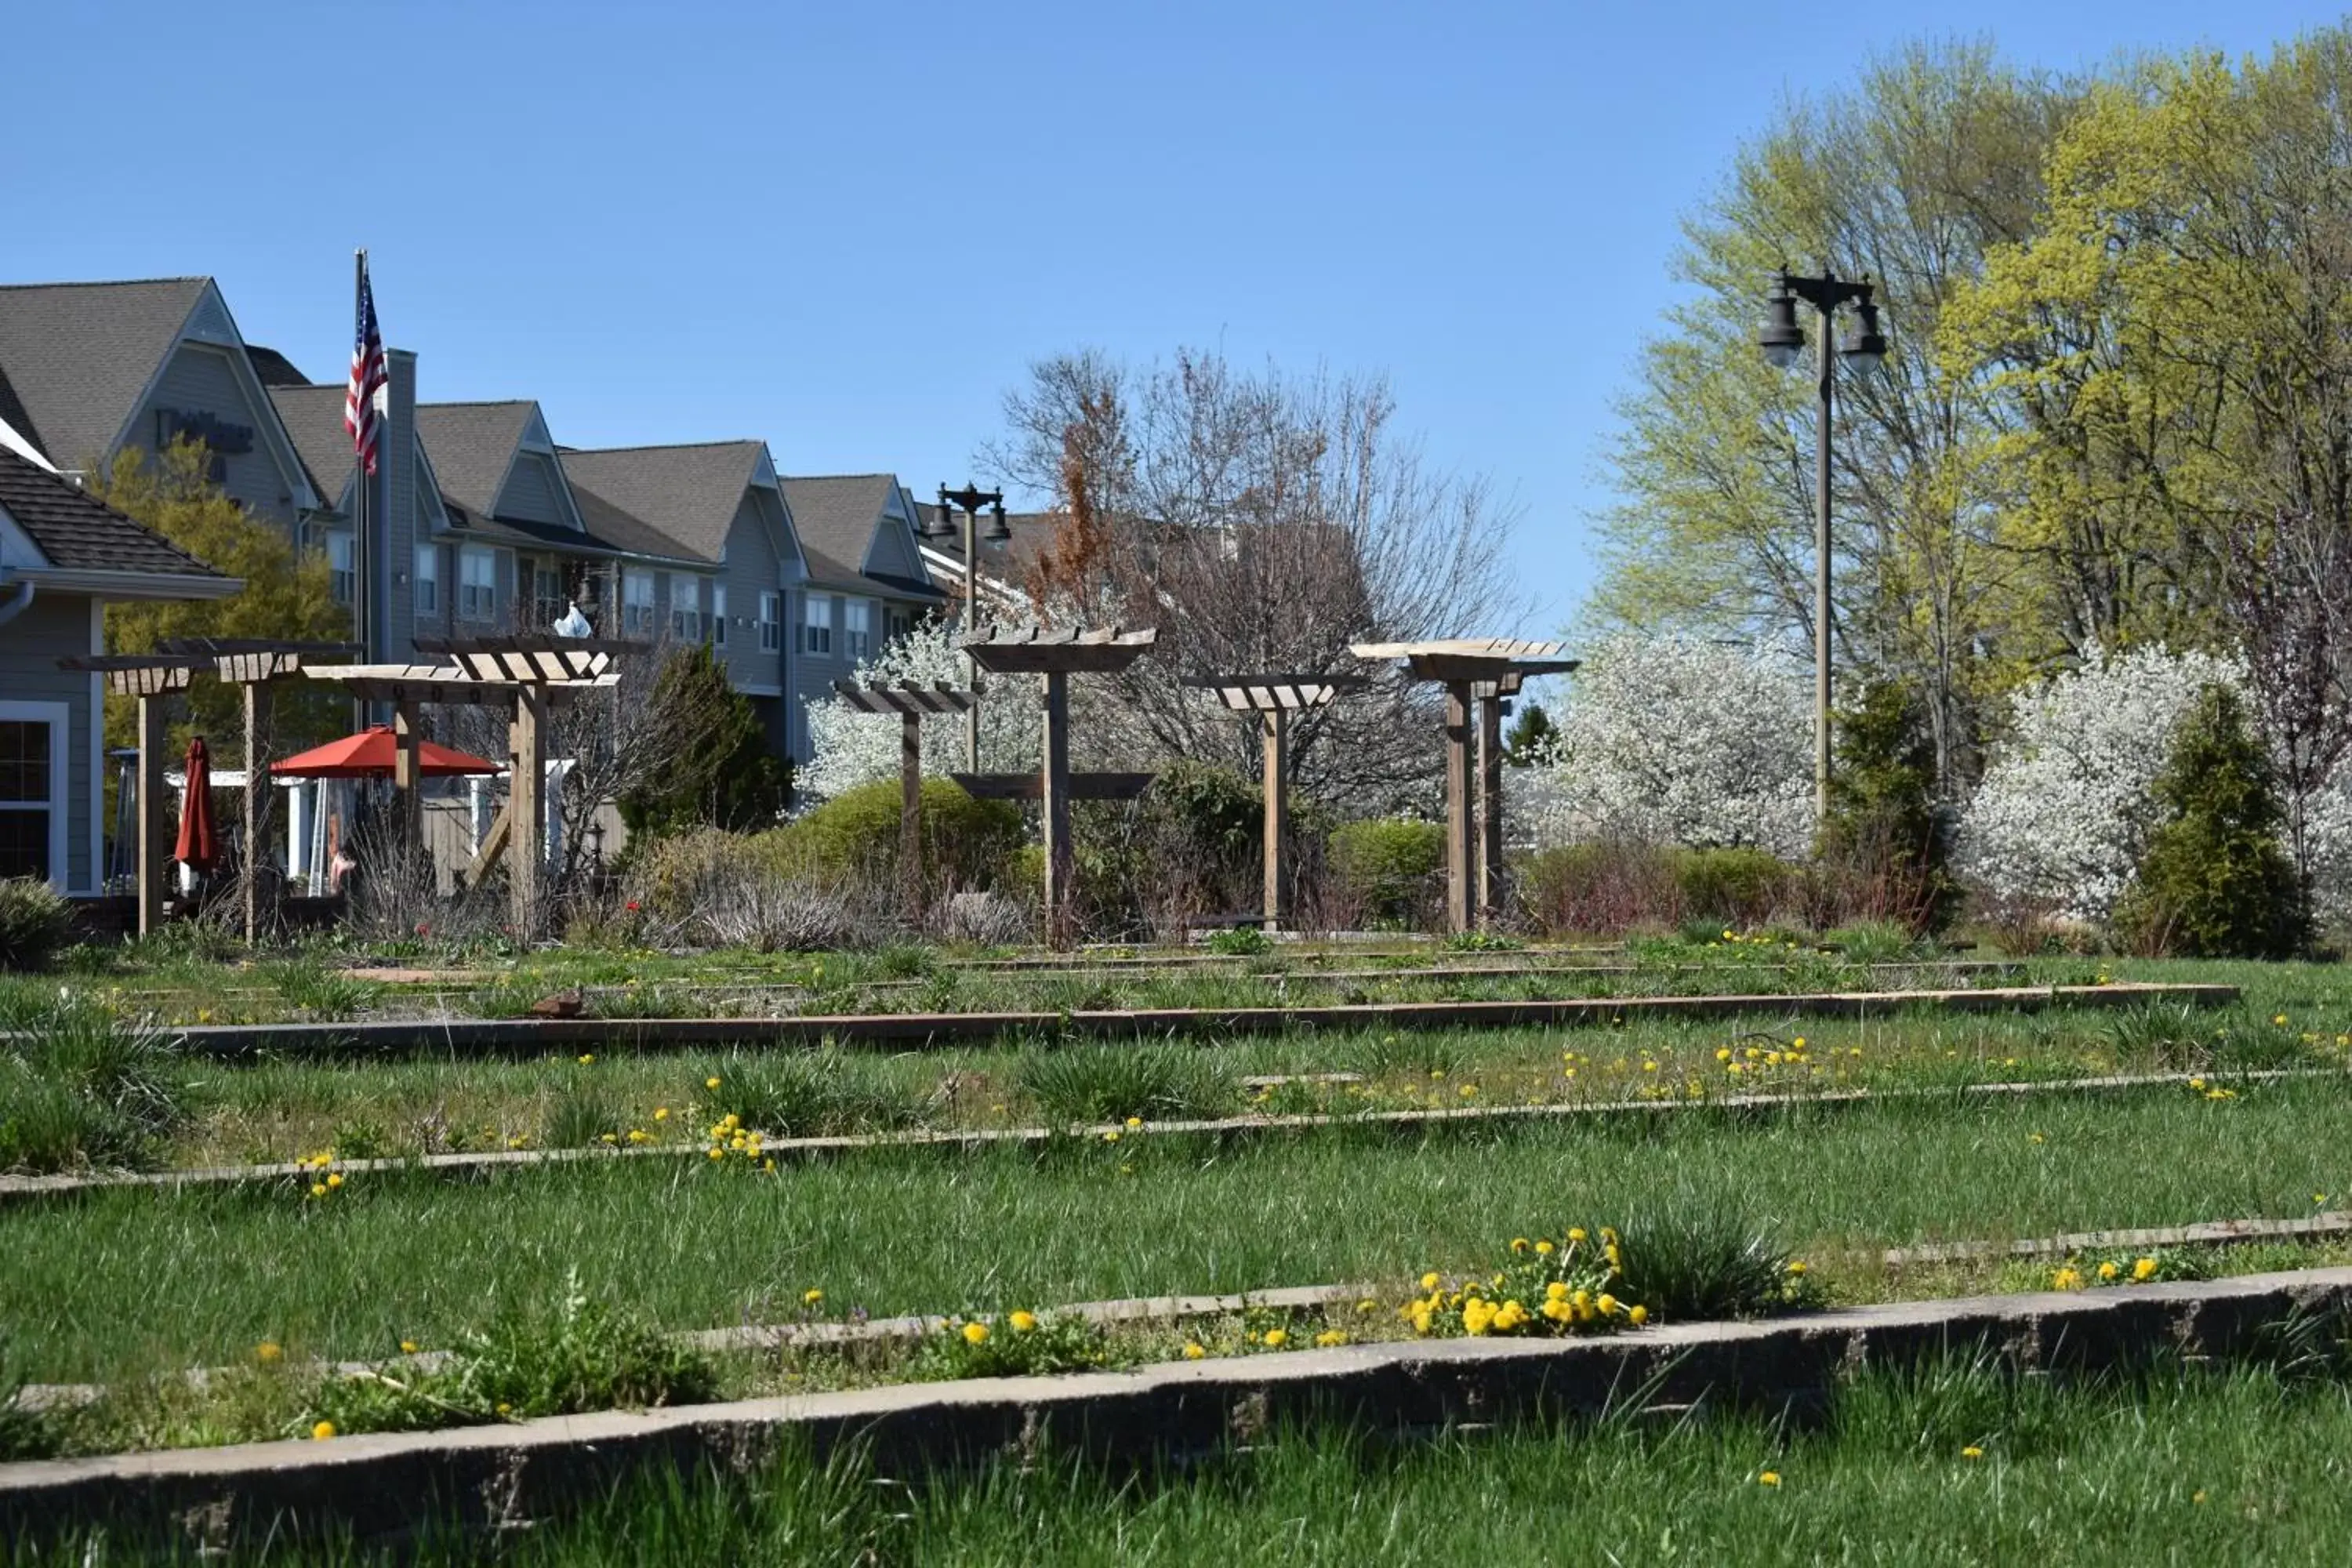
(846, 227)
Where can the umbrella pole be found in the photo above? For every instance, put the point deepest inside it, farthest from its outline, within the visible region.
(408, 776)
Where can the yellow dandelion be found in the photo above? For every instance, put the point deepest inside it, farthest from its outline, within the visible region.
(1193, 1350)
(1276, 1338)
(1972, 1452)
(1637, 1315)
(975, 1333)
(318, 1189)
(812, 1296)
(1768, 1478)
(269, 1353)
(2145, 1269)
(1545, 1250)
(661, 1113)
(710, 1082)
(322, 1431)
(1022, 1321)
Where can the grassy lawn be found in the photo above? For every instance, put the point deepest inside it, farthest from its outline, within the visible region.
(1946, 1465)
(118, 1283)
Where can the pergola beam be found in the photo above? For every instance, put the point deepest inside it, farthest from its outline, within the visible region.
(912, 703)
(1274, 699)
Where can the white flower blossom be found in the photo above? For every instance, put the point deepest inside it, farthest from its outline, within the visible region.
(849, 748)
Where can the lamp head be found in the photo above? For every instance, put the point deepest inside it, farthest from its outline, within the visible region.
(1867, 346)
(1782, 339)
(998, 532)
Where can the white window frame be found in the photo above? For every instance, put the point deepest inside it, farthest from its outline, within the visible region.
(772, 623)
(816, 623)
(468, 607)
(686, 608)
(343, 567)
(59, 716)
(636, 601)
(718, 615)
(427, 581)
(858, 629)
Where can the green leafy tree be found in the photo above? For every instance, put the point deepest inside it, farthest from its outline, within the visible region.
(725, 775)
(1883, 824)
(2216, 881)
(288, 593)
(1531, 736)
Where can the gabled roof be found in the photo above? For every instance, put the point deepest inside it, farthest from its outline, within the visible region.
(273, 368)
(689, 494)
(313, 417)
(472, 446)
(836, 516)
(78, 355)
(79, 533)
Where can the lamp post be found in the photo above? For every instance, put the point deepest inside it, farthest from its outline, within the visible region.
(971, 499)
(1783, 341)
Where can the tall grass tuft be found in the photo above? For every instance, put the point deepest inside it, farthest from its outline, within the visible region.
(1093, 1083)
(81, 1087)
(815, 1094)
(1705, 1262)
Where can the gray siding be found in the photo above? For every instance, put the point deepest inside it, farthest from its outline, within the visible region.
(894, 551)
(402, 506)
(752, 569)
(197, 380)
(54, 627)
(530, 494)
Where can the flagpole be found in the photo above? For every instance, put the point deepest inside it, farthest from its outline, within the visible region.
(362, 521)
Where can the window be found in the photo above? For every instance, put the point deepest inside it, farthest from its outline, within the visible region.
(548, 599)
(816, 623)
(478, 584)
(718, 615)
(857, 628)
(686, 609)
(898, 622)
(341, 570)
(772, 623)
(428, 582)
(636, 603)
(32, 791)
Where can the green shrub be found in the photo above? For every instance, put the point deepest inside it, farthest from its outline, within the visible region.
(1241, 941)
(1603, 887)
(1097, 1083)
(79, 1087)
(2215, 882)
(967, 843)
(1885, 842)
(34, 922)
(1740, 887)
(1390, 867)
(1699, 1264)
(814, 1094)
(1003, 1347)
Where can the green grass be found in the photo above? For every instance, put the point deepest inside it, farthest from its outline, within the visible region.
(214, 1270)
(2168, 1467)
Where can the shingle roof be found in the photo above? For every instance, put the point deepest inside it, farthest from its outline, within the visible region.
(313, 417)
(836, 516)
(612, 529)
(689, 493)
(274, 368)
(79, 533)
(472, 445)
(78, 355)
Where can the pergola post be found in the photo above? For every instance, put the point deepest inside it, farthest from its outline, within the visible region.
(911, 817)
(526, 809)
(256, 802)
(152, 853)
(407, 775)
(1461, 845)
(1490, 807)
(1060, 862)
(1277, 791)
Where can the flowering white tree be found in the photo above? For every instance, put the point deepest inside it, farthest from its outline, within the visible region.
(1673, 740)
(2064, 812)
(849, 748)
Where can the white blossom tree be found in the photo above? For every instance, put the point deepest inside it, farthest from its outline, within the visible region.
(848, 748)
(1674, 741)
(2064, 814)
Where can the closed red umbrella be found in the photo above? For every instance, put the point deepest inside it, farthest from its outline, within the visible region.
(369, 755)
(197, 849)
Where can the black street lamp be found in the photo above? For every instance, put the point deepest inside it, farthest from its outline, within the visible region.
(971, 499)
(1783, 342)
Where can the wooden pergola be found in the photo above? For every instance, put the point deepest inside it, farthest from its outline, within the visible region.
(1478, 673)
(912, 703)
(1055, 656)
(1274, 697)
(533, 676)
(251, 663)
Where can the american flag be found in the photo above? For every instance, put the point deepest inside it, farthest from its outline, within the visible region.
(367, 398)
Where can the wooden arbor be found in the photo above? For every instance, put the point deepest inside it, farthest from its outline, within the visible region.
(912, 704)
(1275, 698)
(1056, 655)
(1477, 672)
(527, 676)
(252, 664)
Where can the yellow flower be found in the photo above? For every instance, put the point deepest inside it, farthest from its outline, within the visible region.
(408, 1347)
(587, 1057)
(322, 1431)
(2108, 1270)
(1972, 1452)
(505, 1409)
(335, 1179)
(2279, 1018)
(318, 1189)
(812, 1296)
(1366, 1305)
(269, 1353)
(661, 1113)
(1022, 1321)
(1111, 1136)
(1576, 1234)
(1797, 1266)
(1769, 1478)
(717, 1152)
(1330, 1337)
(1556, 1291)
(2066, 1279)
(975, 1333)
(1545, 1250)
(2144, 1270)
(1799, 1042)
(1608, 1305)
(1637, 1316)
(1468, 1089)
(1723, 1052)
(610, 1137)
(1193, 1351)
(1520, 1244)
(711, 1083)
(1276, 1338)
(1429, 1280)
(639, 1135)
(2196, 1496)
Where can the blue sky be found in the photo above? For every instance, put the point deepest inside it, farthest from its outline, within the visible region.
(846, 228)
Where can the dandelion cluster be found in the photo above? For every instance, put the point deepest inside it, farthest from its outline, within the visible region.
(1547, 1287)
(2077, 1274)
(325, 1180)
(729, 1139)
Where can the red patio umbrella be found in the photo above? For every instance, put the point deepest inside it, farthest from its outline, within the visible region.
(369, 755)
(197, 849)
